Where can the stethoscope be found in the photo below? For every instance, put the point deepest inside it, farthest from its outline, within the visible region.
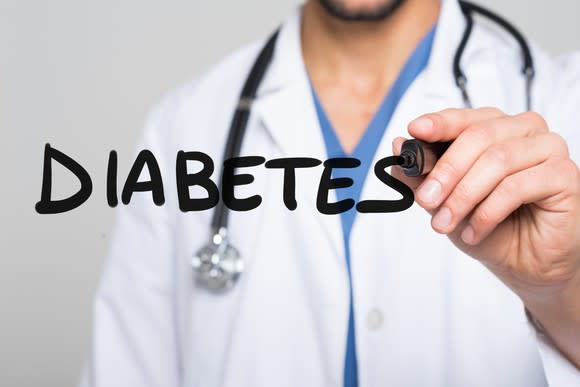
(218, 264)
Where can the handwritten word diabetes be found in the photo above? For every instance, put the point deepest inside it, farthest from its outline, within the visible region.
(230, 178)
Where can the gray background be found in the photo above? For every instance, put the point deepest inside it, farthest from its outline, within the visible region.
(82, 75)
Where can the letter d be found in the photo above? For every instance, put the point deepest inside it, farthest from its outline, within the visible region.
(48, 206)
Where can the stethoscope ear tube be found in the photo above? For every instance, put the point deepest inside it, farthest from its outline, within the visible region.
(240, 119)
(218, 264)
(528, 69)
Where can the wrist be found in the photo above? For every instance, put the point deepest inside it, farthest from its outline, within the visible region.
(556, 315)
(560, 300)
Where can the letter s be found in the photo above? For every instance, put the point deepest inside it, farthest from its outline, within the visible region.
(379, 206)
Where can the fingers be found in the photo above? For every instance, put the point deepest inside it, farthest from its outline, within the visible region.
(471, 143)
(494, 165)
(446, 125)
(531, 185)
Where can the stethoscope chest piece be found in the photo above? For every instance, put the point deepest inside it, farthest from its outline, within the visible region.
(217, 265)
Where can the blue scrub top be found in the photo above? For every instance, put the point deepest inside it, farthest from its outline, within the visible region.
(365, 151)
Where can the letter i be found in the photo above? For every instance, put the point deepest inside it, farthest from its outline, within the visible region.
(112, 198)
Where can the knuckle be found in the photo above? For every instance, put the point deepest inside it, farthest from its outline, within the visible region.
(445, 172)
(438, 119)
(454, 111)
(559, 143)
(479, 134)
(498, 154)
(564, 166)
(483, 217)
(492, 110)
(461, 195)
(570, 174)
(535, 118)
(451, 115)
(508, 188)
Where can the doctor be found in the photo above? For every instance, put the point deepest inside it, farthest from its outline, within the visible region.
(362, 299)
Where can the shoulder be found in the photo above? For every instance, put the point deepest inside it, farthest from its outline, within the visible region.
(552, 72)
(200, 106)
(556, 87)
(221, 81)
(563, 100)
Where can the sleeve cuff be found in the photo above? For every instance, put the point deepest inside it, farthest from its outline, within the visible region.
(559, 371)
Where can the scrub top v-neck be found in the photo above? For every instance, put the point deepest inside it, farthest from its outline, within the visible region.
(365, 151)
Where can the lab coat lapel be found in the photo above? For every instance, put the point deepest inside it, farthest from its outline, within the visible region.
(286, 109)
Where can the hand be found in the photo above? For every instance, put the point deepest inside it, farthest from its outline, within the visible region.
(507, 193)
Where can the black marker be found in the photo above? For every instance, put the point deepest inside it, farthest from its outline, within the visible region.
(419, 157)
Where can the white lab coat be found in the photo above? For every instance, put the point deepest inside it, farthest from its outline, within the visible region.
(425, 313)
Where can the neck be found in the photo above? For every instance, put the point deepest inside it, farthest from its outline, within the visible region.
(363, 54)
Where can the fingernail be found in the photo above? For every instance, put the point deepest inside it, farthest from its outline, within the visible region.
(430, 191)
(423, 124)
(468, 235)
(442, 219)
